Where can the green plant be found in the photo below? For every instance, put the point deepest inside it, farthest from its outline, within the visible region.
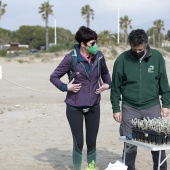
(53, 48)
(11, 55)
(166, 49)
(114, 52)
(38, 55)
(20, 61)
(3, 53)
(58, 47)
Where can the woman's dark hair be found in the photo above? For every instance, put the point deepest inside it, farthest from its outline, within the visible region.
(85, 34)
(137, 37)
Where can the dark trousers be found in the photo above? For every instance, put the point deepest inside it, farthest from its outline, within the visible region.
(75, 118)
(129, 113)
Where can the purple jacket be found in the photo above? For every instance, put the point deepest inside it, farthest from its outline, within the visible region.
(86, 96)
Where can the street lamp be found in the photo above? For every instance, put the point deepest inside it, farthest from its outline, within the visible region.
(118, 25)
(55, 32)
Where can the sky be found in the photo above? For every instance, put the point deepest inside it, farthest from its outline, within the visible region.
(68, 14)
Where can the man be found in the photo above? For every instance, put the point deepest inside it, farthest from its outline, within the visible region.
(139, 78)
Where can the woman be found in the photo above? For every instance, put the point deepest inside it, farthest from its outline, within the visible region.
(83, 91)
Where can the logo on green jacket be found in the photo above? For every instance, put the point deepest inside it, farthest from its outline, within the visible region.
(151, 69)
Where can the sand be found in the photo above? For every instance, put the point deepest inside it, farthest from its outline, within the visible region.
(34, 132)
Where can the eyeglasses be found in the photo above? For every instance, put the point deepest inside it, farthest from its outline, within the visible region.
(93, 43)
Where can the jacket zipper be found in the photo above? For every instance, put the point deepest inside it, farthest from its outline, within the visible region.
(140, 83)
(140, 61)
(84, 69)
(89, 82)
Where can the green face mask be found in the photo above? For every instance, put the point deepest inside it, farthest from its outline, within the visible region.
(93, 49)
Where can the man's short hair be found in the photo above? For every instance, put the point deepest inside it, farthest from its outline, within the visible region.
(137, 37)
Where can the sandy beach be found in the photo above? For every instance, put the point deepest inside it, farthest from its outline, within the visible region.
(34, 132)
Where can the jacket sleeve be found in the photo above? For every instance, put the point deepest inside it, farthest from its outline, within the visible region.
(117, 79)
(164, 89)
(60, 71)
(105, 75)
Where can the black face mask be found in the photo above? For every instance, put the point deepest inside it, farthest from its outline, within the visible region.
(137, 55)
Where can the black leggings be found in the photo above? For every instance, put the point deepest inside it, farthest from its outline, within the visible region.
(92, 118)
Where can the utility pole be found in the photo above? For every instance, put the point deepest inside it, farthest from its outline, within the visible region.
(118, 25)
(0, 72)
(55, 32)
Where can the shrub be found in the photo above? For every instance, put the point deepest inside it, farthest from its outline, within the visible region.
(3, 53)
(166, 49)
(56, 48)
(61, 47)
(20, 61)
(114, 52)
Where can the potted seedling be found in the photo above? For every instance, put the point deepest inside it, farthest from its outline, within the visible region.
(155, 131)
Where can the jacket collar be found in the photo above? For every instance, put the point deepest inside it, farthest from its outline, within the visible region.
(79, 56)
(147, 55)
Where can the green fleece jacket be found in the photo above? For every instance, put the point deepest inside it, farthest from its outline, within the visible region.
(140, 84)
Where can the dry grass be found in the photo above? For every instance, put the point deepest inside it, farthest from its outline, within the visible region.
(110, 53)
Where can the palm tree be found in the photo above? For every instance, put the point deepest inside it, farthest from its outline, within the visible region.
(2, 9)
(168, 35)
(159, 25)
(151, 36)
(87, 12)
(106, 37)
(125, 22)
(46, 10)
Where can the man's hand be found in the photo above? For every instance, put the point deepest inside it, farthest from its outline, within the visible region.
(73, 87)
(118, 117)
(103, 87)
(164, 112)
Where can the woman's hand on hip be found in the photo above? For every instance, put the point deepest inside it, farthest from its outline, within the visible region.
(73, 87)
(103, 87)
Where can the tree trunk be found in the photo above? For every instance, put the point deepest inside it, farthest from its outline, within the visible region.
(126, 35)
(159, 39)
(47, 43)
(88, 22)
(154, 39)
